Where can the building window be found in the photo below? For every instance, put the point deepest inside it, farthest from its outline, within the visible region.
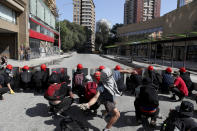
(42, 30)
(7, 14)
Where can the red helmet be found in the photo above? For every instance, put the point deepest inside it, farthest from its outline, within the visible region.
(97, 75)
(43, 67)
(169, 70)
(10, 67)
(117, 67)
(150, 68)
(26, 67)
(79, 66)
(101, 67)
(182, 69)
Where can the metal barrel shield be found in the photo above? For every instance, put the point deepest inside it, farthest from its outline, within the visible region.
(60, 70)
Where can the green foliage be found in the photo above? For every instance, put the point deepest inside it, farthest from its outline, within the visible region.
(102, 35)
(73, 36)
(105, 36)
(115, 27)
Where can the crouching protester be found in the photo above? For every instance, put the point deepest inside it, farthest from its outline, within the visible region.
(90, 91)
(180, 119)
(58, 95)
(5, 80)
(179, 89)
(106, 91)
(147, 103)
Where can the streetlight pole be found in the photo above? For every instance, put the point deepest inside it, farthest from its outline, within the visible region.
(59, 37)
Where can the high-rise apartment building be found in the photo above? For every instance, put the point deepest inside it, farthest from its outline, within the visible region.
(52, 6)
(181, 3)
(129, 12)
(136, 11)
(84, 14)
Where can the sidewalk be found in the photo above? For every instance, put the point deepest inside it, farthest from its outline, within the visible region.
(135, 64)
(37, 62)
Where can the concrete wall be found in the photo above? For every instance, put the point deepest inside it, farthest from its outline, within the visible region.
(13, 35)
(23, 20)
(181, 20)
(8, 26)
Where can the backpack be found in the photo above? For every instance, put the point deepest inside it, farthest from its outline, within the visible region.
(79, 79)
(90, 90)
(56, 91)
(68, 124)
(148, 96)
(173, 123)
(26, 77)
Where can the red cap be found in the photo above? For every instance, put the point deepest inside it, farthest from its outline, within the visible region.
(101, 67)
(150, 68)
(169, 70)
(10, 67)
(182, 69)
(43, 67)
(26, 67)
(117, 67)
(79, 66)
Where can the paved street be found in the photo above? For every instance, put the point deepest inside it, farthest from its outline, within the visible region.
(27, 112)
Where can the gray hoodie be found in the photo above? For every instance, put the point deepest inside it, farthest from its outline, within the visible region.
(108, 82)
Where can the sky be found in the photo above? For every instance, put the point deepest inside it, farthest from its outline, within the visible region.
(112, 10)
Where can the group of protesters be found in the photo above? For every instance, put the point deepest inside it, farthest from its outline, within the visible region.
(103, 86)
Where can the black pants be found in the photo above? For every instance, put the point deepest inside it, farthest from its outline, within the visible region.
(139, 113)
(177, 92)
(79, 90)
(63, 105)
(3, 90)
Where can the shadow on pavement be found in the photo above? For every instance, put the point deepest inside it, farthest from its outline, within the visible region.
(55, 122)
(192, 97)
(39, 110)
(149, 129)
(125, 120)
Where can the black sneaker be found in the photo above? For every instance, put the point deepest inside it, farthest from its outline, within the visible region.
(51, 110)
(139, 121)
(1, 97)
(173, 98)
(153, 123)
(180, 99)
(106, 129)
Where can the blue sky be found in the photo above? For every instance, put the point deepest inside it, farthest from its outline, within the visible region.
(112, 10)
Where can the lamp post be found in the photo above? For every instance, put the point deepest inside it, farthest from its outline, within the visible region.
(59, 35)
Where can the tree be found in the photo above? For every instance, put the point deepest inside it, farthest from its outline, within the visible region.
(73, 36)
(114, 38)
(102, 35)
